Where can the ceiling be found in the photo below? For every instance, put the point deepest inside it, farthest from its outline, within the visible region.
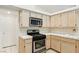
(53, 8)
(46, 9)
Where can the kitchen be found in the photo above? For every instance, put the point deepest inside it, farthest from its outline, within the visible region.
(39, 29)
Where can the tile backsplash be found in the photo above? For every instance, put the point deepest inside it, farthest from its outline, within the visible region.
(42, 30)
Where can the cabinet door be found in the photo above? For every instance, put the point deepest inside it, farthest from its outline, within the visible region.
(21, 45)
(52, 21)
(47, 42)
(77, 46)
(58, 20)
(55, 43)
(48, 21)
(33, 14)
(44, 20)
(28, 48)
(39, 16)
(64, 18)
(77, 17)
(24, 18)
(67, 46)
(71, 19)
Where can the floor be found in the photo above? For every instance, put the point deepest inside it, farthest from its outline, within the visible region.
(47, 51)
(50, 51)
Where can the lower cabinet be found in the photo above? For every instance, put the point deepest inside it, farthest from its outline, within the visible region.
(68, 47)
(77, 46)
(55, 43)
(28, 48)
(25, 45)
(47, 42)
(64, 45)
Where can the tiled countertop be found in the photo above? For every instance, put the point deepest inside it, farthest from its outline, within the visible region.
(25, 36)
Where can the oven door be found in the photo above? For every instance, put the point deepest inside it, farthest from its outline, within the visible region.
(39, 45)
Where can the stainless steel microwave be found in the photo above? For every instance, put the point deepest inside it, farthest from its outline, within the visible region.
(35, 22)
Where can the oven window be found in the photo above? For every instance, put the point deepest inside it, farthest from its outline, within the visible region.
(39, 44)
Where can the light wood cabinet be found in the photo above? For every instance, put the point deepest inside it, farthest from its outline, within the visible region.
(56, 20)
(46, 21)
(55, 43)
(47, 42)
(64, 19)
(33, 14)
(68, 45)
(52, 21)
(77, 46)
(71, 19)
(36, 15)
(39, 15)
(25, 45)
(24, 18)
(28, 47)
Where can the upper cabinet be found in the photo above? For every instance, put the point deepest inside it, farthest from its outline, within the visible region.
(71, 19)
(36, 15)
(24, 18)
(66, 19)
(46, 21)
(56, 21)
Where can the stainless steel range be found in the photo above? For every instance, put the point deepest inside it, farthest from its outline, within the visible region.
(38, 41)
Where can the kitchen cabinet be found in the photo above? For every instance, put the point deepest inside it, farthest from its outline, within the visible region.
(68, 45)
(71, 19)
(33, 14)
(52, 21)
(77, 17)
(25, 45)
(47, 42)
(28, 47)
(64, 19)
(56, 21)
(24, 18)
(77, 46)
(39, 15)
(36, 15)
(55, 43)
(46, 21)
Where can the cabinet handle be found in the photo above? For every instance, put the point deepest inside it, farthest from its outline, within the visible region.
(75, 46)
(24, 46)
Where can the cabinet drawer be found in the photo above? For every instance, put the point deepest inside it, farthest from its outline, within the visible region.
(56, 37)
(69, 40)
(67, 47)
(28, 48)
(28, 41)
